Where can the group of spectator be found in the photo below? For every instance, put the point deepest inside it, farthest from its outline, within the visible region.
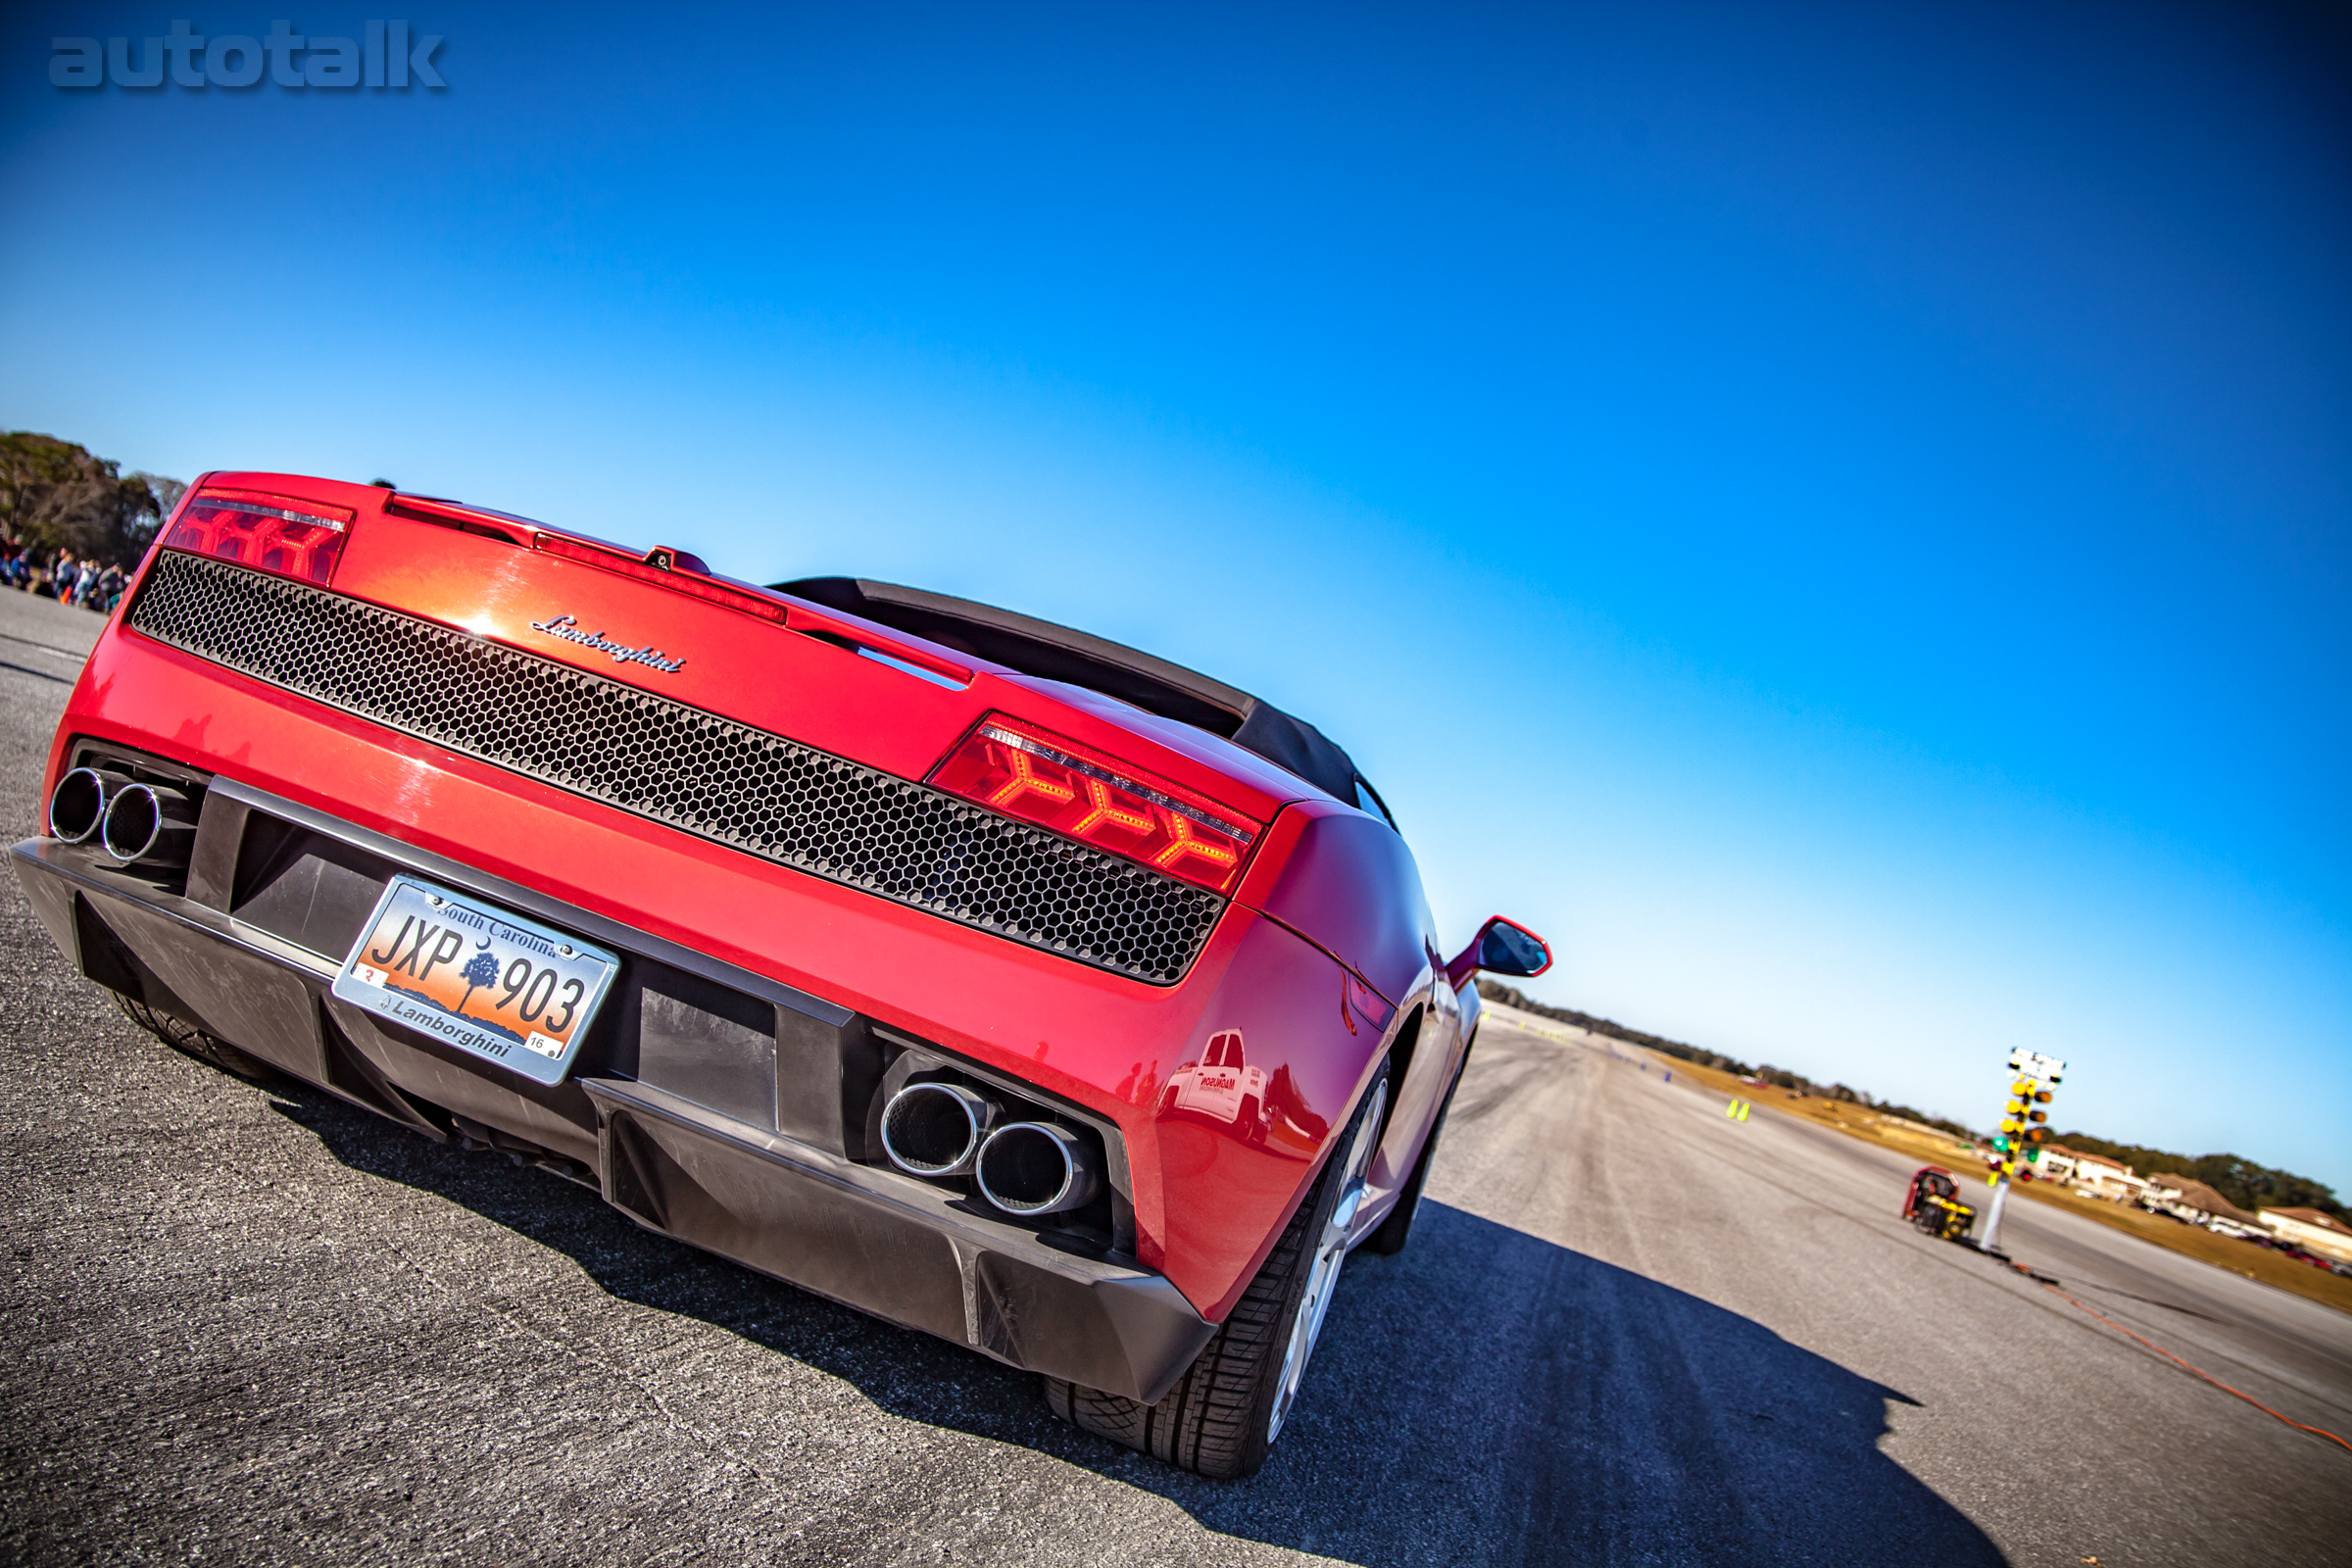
(90, 584)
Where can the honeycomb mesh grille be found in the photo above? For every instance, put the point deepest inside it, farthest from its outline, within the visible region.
(675, 764)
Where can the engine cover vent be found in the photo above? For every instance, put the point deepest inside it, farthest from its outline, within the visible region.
(692, 770)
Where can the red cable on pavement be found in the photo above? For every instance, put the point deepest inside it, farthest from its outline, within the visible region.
(2183, 1365)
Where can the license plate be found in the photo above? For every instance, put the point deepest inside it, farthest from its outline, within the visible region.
(479, 977)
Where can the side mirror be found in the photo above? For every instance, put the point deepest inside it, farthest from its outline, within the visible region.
(1501, 947)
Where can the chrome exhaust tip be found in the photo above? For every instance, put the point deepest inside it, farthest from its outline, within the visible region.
(152, 824)
(1033, 1167)
(77, 805)
(935, 1129)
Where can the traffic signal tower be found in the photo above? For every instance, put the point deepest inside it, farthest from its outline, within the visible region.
(2017, 1147)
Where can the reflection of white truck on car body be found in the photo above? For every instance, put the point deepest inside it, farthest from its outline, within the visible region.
(1222, 1085)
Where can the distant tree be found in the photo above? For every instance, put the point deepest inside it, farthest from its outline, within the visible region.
(166, 491)
(481, 972)
(57, 496)
(1942, 1124)
(1512, 997)
(2247, 1185)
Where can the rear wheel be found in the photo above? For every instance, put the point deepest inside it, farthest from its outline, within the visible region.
(1230, 1405)
(186, 1038)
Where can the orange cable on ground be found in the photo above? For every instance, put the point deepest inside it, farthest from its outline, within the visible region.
(2176, 1361)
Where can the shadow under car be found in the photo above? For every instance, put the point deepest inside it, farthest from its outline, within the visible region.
(1486, 1396)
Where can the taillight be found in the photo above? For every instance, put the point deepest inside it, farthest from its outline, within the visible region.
(291, 537)
(1009, 767)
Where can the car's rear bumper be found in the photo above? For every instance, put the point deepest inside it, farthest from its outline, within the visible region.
(806, 1209)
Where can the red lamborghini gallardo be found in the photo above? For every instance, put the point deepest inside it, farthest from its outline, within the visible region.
(987, 976)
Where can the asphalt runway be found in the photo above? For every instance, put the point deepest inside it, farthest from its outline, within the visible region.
(246, 1323)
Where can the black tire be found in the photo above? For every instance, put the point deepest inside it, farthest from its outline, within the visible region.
(188, 1040)
(1398, 1228)
(1215, 1421)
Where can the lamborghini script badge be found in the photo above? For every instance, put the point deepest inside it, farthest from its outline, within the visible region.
(567, 627)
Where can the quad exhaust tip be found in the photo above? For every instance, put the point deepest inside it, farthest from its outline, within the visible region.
(935, 1129)
(150, 824)
(1028, 1168)
(1034, 1168)
(77, 805)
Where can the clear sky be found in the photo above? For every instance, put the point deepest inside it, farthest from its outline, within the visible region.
(1837, 516)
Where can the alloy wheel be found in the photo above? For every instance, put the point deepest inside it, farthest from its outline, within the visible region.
(1330, 1253)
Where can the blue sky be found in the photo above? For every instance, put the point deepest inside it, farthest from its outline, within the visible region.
(1834, 515)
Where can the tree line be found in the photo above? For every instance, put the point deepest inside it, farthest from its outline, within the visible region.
(57, 498)
(2249, 1185)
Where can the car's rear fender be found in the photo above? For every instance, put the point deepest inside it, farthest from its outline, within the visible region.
(1343, 880)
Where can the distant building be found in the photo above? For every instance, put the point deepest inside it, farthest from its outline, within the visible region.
(2186, 1198)
(2057, 1163)
(2091, 1173)
(2311, 1230)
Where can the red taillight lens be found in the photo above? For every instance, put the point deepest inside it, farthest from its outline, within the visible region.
(1009, 767)
(283, 534)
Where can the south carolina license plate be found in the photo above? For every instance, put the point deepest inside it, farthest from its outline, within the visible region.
(477, 977)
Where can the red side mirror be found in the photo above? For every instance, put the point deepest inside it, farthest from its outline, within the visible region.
(1501, 947)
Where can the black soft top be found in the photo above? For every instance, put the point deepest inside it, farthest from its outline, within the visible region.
(1056, 653)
